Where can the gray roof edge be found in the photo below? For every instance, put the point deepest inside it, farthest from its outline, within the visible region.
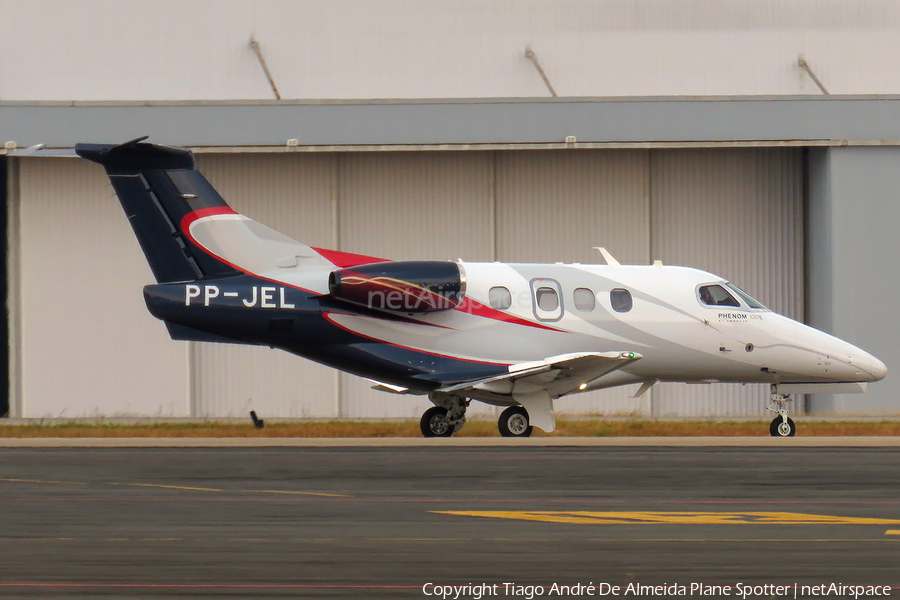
(511, 122)
(450, 101)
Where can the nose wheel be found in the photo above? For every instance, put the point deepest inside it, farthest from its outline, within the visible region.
(782, 428)
(782, 425)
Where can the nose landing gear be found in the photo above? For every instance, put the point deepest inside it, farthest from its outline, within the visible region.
(782, 425)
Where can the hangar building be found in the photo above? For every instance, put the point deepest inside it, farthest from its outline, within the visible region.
(759, 141)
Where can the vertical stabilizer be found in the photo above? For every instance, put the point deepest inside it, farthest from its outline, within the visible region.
(158, 187)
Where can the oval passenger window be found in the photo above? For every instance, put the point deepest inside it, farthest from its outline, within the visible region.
(584, 299)
(620, 300)
(547, 298)
(500, 298)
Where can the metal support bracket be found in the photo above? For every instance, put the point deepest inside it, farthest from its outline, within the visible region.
(801, 62)
(262, 61)
(530, 55)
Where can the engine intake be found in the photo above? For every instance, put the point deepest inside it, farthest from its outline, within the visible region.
(401, 286)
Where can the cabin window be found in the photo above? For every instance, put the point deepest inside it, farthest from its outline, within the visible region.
(621, 300)
(500, 298)
(547, 299)
(750, 300)
(546, 295)
(584, 299)
(716, 295)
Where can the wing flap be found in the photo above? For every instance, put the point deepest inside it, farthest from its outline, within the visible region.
(559, 375)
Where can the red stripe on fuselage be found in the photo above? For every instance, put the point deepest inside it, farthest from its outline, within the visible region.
(347, 259)
(199, 214)
(473, 307)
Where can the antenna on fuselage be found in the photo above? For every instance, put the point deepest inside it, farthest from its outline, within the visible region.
(607, 256)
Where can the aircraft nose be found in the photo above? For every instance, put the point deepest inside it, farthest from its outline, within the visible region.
(863, 363)
(874, 367)
(852, 363)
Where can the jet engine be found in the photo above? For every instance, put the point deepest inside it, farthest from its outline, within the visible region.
(401, 286)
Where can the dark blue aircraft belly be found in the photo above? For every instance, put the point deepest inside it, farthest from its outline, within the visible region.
(250, 310)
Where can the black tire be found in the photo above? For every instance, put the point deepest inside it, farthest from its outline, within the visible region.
(776, 428)
(434, 423)
(514, 422)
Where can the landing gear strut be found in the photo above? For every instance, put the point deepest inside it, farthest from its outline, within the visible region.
(782, 425)
(446, 417)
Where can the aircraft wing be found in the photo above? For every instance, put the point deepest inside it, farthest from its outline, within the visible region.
(558, 375)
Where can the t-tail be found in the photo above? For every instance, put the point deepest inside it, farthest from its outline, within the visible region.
(195, 242)
(162, 191)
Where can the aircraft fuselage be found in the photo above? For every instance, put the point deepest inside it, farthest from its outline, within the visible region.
(679, 337)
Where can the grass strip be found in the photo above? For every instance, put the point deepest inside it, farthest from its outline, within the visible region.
(474, 428)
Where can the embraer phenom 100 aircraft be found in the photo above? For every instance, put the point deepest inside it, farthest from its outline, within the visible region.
(514, 335)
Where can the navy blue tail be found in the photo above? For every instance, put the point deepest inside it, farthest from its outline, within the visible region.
(158, 187)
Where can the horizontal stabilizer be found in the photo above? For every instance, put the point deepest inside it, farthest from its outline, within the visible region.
(134, 156)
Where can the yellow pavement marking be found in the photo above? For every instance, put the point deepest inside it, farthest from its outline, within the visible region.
(676, 518)
(892, 532)
(299, 493)
(44, 481)
(170, 487)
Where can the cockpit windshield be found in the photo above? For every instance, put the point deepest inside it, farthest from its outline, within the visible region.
(716, 295)
(750, 300)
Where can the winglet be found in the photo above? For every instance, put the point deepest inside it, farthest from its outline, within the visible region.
(645, 387)
(607, 256)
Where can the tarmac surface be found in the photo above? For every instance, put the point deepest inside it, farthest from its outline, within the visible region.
(381, 522)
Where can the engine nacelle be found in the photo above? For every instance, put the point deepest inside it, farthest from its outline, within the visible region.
(401, 286)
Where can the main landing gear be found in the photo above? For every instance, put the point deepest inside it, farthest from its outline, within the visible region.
(446, 417)
(514, 422)
(782, 425)
(434, 423)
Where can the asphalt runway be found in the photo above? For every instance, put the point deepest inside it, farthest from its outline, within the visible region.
(382, 522)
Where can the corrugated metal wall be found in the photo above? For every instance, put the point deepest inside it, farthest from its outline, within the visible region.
(735, 212)
(88, 346)
(296, 195)
(556, 206)
(412, 206)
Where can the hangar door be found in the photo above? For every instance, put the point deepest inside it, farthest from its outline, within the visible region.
(79, 272)
(737, 213)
